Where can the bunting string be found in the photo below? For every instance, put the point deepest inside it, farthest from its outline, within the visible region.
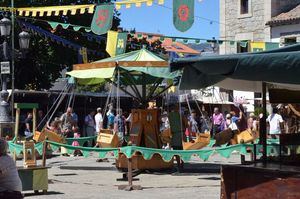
(52, 10)
(186, 40)
(147, 153)
(137, 3)
(57, 39)
(66, 26)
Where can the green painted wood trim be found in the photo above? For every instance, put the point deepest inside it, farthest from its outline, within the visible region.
(26, 105)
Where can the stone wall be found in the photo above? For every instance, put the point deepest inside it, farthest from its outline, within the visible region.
(241, 27)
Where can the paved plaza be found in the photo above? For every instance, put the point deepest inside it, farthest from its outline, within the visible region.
(79, 177)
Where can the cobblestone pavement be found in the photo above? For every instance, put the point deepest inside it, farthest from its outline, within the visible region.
(79, 177)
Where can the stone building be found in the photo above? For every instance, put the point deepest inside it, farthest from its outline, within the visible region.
(258, 20)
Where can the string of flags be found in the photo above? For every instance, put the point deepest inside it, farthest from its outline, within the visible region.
(187, 40)
(183, 13)
(57, 39)
(54, 25)
(52, 10)
(137, 3)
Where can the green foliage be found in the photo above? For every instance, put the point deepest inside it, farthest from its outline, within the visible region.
(46, 59)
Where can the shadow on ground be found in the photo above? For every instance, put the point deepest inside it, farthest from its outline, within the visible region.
(38, 194)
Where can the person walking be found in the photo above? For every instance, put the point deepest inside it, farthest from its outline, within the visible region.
(276, 124)
(90, 124)
(120, 126)
(67, 122)
(218, 121)
(99, 120)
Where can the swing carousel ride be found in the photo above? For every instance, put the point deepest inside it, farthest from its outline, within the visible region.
(138, 74)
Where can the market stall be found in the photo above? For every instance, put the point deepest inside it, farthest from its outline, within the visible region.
(250, 72)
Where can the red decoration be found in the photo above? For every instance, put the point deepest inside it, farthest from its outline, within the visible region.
(183, 12)
(102, 18)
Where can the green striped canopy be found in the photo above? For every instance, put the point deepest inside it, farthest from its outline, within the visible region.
(136, 67)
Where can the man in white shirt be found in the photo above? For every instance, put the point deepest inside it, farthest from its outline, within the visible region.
(276, 123)
(99, 120)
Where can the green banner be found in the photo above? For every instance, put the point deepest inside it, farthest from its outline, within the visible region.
(102, 19)
(183, 14)
(116, 43)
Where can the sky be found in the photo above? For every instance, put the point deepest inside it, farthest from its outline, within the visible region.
(158, 19)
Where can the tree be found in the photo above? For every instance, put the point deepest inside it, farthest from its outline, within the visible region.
(46, 59)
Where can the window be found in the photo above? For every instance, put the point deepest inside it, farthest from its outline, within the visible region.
(242, 46)
(244, 7)
(290, 41)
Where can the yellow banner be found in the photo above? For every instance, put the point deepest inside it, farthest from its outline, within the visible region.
(257, 46)
(52, 10)
(137, 3)
(111, 44)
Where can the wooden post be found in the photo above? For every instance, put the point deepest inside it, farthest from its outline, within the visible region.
(129, 172)
(17, 123)
(44, 152)
(16, 130)
(130, 186)
(33, 120)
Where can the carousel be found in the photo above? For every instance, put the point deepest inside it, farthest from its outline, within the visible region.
(139, 74)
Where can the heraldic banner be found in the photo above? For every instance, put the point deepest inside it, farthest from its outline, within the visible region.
(116, 43)
(102, 19)
(183, 14)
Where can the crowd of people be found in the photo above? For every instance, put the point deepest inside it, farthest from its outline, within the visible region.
(67, 124)
(196, 122)
(200, 122)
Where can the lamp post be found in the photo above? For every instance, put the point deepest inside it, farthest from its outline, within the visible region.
(24, 37)
(5, 28)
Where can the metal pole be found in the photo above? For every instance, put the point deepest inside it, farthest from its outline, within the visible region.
(12, 57)
(44, 152)
(263, 129)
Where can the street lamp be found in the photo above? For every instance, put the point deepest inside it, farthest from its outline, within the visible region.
(24, 38)
(5, 27)
(5, 30)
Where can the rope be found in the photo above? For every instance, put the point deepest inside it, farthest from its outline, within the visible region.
(58, 97)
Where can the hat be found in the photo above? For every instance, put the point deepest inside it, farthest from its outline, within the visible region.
(228, 116)
(165, 113)
(99, 109)
(3, 147)
(252, 115)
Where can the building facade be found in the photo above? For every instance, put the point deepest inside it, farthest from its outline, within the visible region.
(265, 21)
(256, 21)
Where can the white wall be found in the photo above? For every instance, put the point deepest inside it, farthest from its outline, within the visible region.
(286, 29)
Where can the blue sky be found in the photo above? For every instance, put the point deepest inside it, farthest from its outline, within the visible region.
(158, 19)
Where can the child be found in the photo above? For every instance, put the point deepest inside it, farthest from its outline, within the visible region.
(76, 143)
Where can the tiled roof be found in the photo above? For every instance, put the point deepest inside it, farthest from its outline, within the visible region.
(168, 44)
(292, 16)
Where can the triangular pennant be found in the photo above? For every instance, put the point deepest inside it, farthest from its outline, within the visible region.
(183, 14)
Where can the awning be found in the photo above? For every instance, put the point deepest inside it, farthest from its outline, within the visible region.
(142, 65)
(244, 71)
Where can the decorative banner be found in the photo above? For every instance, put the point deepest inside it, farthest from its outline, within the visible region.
(102, 20)
(66, 26)
(183, 14)
(56, 38)
(138, 3)
(83, 55)
(116, 43)
(52, 10)
(262, 46)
